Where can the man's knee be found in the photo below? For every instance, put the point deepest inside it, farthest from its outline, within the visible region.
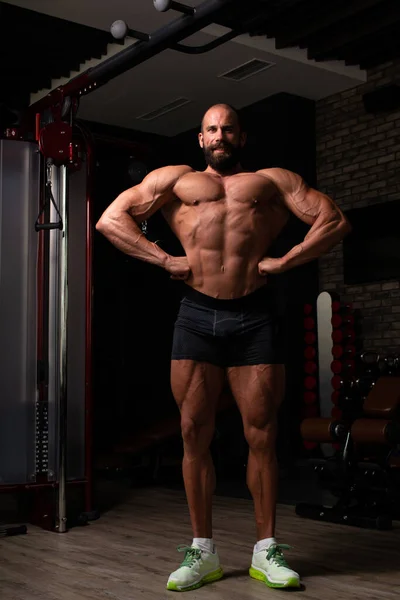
(197, 433)
(261, 434)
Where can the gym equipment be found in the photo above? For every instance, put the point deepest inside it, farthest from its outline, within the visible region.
(370, 371)
(130, 57)
(323, 429)
(353, 444)
(46, 390)
(120, 30)
(164, 5)
(362, 474)
(38, 380)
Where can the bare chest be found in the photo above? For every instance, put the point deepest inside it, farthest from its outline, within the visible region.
(243, 195)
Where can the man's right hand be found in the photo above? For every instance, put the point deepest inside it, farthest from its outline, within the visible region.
(178, 267)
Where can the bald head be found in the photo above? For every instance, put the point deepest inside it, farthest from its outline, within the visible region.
(217, 110)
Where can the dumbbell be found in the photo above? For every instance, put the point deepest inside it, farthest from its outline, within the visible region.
(343, 336)
(347, 367)
(346, 352)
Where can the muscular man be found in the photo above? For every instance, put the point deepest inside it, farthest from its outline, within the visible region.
(226, 220)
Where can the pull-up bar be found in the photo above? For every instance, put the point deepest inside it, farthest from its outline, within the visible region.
(119, 30)
(162, 39)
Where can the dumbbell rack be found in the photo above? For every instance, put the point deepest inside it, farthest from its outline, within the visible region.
(321, 378)
(343, 366)
(352, 423)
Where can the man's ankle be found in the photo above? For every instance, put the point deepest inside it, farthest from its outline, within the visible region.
(205, 544)
(264, 544)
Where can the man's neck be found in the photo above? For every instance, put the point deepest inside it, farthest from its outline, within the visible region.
(234, 171)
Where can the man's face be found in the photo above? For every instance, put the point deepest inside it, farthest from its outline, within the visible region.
(221, 139)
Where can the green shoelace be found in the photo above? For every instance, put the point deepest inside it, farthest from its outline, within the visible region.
(275, 553)
(191, 555)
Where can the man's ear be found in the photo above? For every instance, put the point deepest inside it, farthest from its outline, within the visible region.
(243, 138)
(201, 141)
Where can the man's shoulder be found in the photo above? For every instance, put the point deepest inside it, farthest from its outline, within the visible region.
(166, 177)
(286, 181)
(274, 172)
(176, 170)
(273, 175)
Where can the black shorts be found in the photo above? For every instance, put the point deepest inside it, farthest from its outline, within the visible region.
(228, 333)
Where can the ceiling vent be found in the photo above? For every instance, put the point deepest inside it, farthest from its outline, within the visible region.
(159, 112)
(252, 67)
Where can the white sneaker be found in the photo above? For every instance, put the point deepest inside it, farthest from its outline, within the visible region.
(198, 568)
(270, 567)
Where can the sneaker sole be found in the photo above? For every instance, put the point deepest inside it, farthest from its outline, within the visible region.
(260, 576)
(210, 578)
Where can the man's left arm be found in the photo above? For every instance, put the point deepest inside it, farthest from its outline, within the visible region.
(328, 224)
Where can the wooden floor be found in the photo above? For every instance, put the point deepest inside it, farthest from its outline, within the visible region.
(129, 553)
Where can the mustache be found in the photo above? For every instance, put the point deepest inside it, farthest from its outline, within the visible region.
(222, 147)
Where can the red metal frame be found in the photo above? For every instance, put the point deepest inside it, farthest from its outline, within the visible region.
(88, 478)
(32, 124)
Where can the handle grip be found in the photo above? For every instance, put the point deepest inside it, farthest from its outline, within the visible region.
(48, 226)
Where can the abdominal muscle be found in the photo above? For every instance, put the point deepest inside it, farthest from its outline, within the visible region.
(223, 255)
(221, 276)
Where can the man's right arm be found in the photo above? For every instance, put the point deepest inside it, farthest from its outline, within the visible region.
(120, 221)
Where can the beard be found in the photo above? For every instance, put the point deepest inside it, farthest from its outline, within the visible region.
(222, 161)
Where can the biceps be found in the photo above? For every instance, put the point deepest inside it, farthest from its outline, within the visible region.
(140, 202)
(155, 191)
(312, 206)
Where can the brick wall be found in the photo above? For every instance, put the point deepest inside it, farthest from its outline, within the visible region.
(358, 163)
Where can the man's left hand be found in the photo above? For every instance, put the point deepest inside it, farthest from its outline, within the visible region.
(271, 266)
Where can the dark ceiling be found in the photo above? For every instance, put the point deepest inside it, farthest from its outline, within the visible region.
(359, 32)
(36, 48)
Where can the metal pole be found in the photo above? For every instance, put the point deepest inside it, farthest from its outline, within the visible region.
(160, 40)
(61, 516)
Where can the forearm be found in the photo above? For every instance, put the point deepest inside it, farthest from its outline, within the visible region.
(125, 234)
(319, 240)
